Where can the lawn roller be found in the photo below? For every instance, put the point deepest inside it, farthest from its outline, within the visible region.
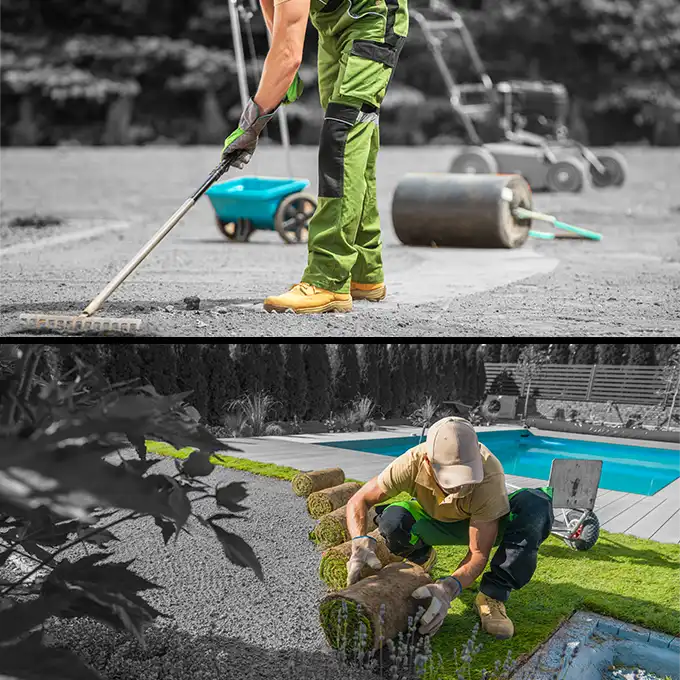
(515, 127)
(470, 211)
(246, 204)
(575, 484)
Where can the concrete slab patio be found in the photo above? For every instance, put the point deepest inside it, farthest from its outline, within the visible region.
(656, 517)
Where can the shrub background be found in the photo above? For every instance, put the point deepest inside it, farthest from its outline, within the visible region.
(163, 71)
(309, 381)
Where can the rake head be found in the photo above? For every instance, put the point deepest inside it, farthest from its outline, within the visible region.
(65, 322)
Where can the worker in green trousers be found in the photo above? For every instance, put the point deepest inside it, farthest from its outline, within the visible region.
(359, 45)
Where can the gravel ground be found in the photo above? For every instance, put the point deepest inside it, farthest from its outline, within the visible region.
(226, 623)
(626, 285)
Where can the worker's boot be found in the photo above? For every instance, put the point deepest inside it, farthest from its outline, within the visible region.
(303, 298)
(368, 291)
(493, 617)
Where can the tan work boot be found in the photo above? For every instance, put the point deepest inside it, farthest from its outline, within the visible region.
(494, 619)
(368, 291)
(304, 298)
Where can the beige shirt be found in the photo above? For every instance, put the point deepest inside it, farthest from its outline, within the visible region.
(412, 474)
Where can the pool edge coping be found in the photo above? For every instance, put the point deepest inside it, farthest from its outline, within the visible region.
(575, 632)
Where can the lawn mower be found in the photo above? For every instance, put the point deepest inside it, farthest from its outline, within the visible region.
(515, 127)
(247, 204)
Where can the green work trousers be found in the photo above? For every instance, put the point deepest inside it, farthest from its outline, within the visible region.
(359, 45)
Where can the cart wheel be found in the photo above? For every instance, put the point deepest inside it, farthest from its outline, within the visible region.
(240, 231)
(474, 160)
(566, 175)
(588, 532)
(292, 217)
(615, 170)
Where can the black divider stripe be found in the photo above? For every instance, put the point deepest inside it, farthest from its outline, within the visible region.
(337, 123)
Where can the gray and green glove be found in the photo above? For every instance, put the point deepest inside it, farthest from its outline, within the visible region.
(441, 594)
(297, 87)
(363, 553)
(244, 139)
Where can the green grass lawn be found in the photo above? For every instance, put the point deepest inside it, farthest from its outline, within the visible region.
(631, 579)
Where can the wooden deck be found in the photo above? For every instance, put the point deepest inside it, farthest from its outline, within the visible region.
(656, 517)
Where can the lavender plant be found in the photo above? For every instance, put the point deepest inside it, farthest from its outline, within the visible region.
(410, 655)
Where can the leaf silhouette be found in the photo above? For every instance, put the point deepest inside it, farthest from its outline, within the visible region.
(236, 550)
(230, 495)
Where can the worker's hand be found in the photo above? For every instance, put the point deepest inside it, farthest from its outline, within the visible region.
(442, 593)
(363, 553)
(244, 139)
(297, 87)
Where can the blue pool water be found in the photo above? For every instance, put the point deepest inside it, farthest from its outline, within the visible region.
(632, 469)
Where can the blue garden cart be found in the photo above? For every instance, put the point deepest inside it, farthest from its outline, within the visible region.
(246, 204)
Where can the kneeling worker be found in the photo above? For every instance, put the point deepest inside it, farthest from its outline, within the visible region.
(458, 497)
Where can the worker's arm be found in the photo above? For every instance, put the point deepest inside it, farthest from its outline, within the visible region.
(482, 537)
(278, 80)
(360, 503)
(363, 546)
(445, 590)
(289, 26)
(267, 7)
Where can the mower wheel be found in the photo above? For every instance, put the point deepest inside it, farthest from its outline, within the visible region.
(292, 217)
(588, 532)
(615, 170)
(475, 160)
(239, 231)
(566, 175)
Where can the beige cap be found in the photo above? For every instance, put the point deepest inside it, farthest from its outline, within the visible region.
(453, 451)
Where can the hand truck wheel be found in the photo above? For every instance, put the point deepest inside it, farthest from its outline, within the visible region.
(585, 537)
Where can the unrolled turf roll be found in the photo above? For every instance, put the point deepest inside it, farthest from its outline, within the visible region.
(342, 613)
(305, 483)
(333, 567)
(322, 502)
(331, 529)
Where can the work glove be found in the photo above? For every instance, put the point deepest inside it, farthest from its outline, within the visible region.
(244, 139)
(442, 593)
(297, 87)
(363, 553)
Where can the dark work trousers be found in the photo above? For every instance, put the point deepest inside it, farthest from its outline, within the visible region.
(520, 534)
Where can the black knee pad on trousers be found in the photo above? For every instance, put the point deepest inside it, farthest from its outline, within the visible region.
(395, 524)
(534, 516)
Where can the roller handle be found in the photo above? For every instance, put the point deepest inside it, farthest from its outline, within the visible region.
(115, 282)
(524, 214)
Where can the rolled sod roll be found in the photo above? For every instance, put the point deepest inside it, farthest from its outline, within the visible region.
(333, 567)
(305, 483)
(322, 502)
(342, 613)
(331, 529)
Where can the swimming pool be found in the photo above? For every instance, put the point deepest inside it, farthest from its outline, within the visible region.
(632, 469)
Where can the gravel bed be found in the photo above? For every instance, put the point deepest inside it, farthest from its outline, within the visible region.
(226, 623)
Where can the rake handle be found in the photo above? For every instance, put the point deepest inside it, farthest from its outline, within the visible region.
(123, 274)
